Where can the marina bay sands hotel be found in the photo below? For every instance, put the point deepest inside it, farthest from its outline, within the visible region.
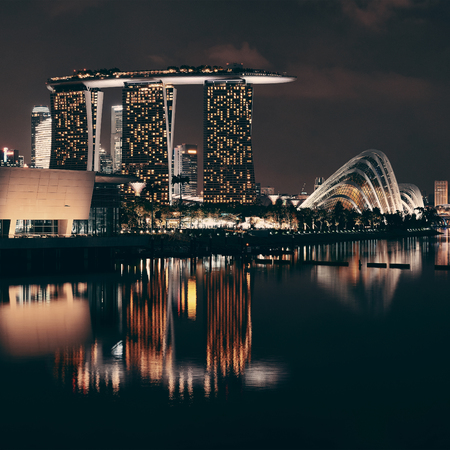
(148, 105)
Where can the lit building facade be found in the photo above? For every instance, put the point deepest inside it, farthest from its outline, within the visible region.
(76, 127)
(227, 146)
(41, 137)
(116, 137)
(440, 193)
(148, 114)
(185, 164)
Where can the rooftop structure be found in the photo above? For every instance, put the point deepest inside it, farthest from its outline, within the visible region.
(108, 78)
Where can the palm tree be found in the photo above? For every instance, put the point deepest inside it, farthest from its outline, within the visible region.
(151, 188)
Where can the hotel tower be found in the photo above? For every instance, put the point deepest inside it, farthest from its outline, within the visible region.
(76, 125)
(229, 175)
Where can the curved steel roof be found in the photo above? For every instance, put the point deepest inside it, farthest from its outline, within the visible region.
(366, 182)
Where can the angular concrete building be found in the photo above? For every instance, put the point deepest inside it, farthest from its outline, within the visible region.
(52, 199)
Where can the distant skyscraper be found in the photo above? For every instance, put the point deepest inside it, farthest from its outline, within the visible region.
(267, 190)
(228, 160)
(318, 182)
(148, 115)
(116, 137)
(440, 193)
(185, 164)
(106, 162)
(76, 126)
(41, 136)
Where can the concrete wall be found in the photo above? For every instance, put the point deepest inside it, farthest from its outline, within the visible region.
(45, 194)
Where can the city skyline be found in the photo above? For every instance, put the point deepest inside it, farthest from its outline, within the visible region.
(370, 75)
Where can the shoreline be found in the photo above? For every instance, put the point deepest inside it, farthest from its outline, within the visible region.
(202, 243)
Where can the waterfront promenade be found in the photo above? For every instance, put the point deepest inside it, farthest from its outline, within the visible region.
(79, 254)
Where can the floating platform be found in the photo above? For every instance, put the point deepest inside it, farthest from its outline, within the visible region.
(379, 265)
(442, 267)
(263, 261)
(327, 263)
(399, 266)
(282, 261)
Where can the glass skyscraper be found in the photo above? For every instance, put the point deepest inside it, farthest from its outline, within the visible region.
(41, 137)
(227, 145)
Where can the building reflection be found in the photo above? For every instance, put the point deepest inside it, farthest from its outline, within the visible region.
(362, 288)
(182, 325)
(442, 249)
(37, 320)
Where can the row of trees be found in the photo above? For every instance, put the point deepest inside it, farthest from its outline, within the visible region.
(138, 216)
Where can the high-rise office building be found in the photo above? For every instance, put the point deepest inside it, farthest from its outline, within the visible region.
(41, 136)
(440, 193)
(185, 165)
(116, 137)
(227, 147)
(76, 127)
(148, 115)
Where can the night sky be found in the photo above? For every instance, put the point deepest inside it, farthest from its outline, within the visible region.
(369, 74)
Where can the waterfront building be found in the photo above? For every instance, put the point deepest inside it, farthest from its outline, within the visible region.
(76, 126)
(440, 193)
(228, 171)
(366, 182)
(50, 197)
(147, 138)
(41, 137)
(185, 164)
(48, 201)
(116, 137)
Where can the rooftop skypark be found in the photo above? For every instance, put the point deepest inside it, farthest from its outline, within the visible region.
(174, 75)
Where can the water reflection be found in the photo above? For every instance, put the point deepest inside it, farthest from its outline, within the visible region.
(178, 324)
(41, 319)
(186, 326)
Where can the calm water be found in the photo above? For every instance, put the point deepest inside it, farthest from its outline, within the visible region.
(219, 354)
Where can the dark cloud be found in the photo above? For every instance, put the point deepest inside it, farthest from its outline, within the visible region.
(228, 53)
(374, 14)
(70, 7)
(338, 83)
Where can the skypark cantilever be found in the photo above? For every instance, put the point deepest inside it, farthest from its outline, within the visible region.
(148, 117)
(111, 78)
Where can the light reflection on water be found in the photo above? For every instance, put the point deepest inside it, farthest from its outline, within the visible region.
(181, 332)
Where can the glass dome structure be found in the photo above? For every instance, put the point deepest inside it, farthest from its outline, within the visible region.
(367, 181)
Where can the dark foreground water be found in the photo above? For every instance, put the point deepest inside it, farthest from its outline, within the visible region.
(220, 354)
